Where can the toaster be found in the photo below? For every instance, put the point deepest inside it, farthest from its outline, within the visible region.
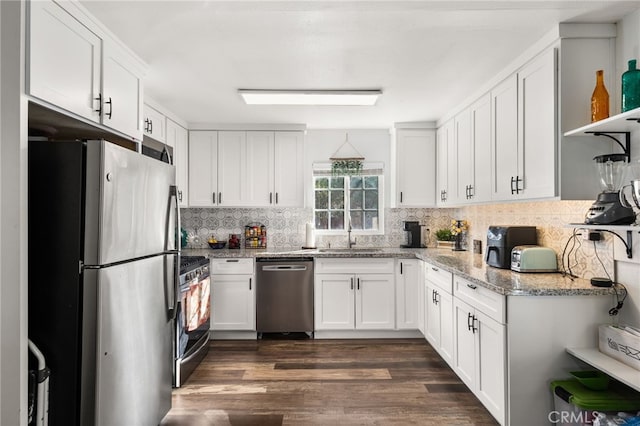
(531, 258)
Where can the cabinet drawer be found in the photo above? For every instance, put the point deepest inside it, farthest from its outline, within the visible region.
(354, 266)
(439, 277)
(232, 266)
(488, 302)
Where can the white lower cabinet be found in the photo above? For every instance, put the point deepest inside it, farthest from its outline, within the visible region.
(438, 303)
(479, 346)
(233, 301)
(409, 308)
(354, 294)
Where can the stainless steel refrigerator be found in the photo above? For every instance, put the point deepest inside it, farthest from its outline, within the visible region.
(103, 266)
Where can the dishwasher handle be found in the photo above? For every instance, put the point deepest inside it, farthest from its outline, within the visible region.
(284, 268)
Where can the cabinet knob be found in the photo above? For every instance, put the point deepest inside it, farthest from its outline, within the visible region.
(472, 286)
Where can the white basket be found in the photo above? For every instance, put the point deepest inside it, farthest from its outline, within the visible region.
(620, 345)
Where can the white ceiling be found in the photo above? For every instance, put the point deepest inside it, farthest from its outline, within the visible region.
(426, 56)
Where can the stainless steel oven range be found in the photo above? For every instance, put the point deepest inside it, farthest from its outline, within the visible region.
(191, 331)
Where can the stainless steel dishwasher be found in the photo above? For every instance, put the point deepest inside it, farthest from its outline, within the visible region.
(284, 295)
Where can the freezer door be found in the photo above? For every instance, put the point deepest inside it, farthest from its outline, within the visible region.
(134, 357)
(131, 200)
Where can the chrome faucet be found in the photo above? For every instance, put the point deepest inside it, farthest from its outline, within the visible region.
(349, 242)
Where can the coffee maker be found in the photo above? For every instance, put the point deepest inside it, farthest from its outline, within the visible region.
(414, 231)
(502, 239)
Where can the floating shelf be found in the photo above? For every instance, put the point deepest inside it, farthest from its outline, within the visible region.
(620, 123)
(614, 368)
(614, 229)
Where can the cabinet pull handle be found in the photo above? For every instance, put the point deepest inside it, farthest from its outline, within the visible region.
(110, 102)
(271, 198)
(276, 198)
(518, 180)
(445, 195)
(99, 99)
(219, 197)
(180, 196)
(512, 189)
(146, 125)
(151, 126)
(351, 283)
(400, 268)
(358, 283)
(471, 191)
(436, 297)
(214, 198)
(469, 325)
(473, 324)
(434, 268)
(249, 283)
(232, 260)
(433, 296)
(472, 286)
(401, 196)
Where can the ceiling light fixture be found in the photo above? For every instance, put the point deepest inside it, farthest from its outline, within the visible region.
(310, 97)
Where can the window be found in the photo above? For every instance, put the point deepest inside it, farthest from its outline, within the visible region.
(344, 200)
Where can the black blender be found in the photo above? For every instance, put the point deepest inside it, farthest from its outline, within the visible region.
(607, 209)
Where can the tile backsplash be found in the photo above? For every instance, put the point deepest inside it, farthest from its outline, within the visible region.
(286, 228)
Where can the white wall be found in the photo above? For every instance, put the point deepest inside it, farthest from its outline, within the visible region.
(13, 217)
(374, 145)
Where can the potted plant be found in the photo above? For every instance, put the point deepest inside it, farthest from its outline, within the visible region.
(444, 238)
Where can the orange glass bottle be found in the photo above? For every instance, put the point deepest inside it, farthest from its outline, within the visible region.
(599, 99)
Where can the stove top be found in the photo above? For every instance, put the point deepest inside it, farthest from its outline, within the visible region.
(188, 263)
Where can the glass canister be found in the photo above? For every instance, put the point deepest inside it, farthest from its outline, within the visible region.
(599, 99)
(631, 87)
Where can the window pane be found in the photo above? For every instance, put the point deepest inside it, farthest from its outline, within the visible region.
(356, 182)
(337, 182)
(337, 219)
(322, 199)
(356, 199)
(337, 200)
(356, 219)
(371, 199)
(322, 182)
(371, 220)
(371, 182)
(322, 220)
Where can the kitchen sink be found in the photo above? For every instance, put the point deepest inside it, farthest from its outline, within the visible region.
(350, 250)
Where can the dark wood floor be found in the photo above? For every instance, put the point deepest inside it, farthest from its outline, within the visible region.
(324, 382)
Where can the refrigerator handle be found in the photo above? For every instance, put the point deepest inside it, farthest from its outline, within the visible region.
(172, 301)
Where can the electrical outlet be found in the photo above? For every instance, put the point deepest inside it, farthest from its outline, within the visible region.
(477, 246)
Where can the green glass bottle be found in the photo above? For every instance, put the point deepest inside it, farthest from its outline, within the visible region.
(631, 87)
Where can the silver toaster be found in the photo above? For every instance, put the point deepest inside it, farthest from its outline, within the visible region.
(530, 258)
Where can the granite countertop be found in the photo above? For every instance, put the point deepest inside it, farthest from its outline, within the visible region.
(464, 264)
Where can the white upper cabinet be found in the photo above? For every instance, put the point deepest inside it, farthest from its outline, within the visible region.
(64, 60)
(155, 124)
(504, 111)
(82, 69)
(232, 180)
(203, 168)
(442, 164)
(259, 169)
(178, 138)
(480, 190)
(464, 148)
(289, 169)
(415, 168)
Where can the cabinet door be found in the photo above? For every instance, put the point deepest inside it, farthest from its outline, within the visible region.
(259, 169)
(203, 173)
(481, 141)
(504, 112)
(447, 332)
(334, 302)
(537, 126)
(462, 123)
(289, 169)
(64, 60)
(442, 139)
(464, 355)
(155, 125)
(415, 168)
(178, 138)
(432, 316)
(375, 306)
(122, 91)
(408, 283)
(232, 180)
(233, 302)
(490, 371)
